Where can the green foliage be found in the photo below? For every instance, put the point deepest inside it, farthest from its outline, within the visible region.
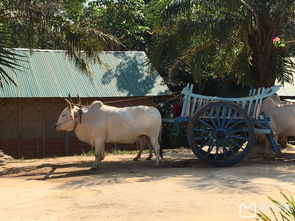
(7, 57)
(124, 19)
(231, 38)
(196, 41)
(55, 24)
(286, 210)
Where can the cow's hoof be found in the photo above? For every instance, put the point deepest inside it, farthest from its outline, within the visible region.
(94, 168)
(157, 165)
(149, 158)
(135, 159)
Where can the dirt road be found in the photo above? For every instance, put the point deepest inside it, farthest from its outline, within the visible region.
(183, 188)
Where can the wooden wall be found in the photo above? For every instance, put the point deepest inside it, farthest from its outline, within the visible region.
(27, 126)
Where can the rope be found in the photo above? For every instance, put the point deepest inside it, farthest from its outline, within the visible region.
(138, 98)
(168, 100)
(80, 115)
(111, 102)
(132, 99)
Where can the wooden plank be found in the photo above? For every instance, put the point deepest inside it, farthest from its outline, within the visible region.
(257, 110)
(185, 101)
(244, 104)
(193, 106)
(191, 88)
(262, 131)
(254, 92)
(188, 106)
(254, 108)
(249, 107)
(201, 101)
(19, 129)
(267, 93)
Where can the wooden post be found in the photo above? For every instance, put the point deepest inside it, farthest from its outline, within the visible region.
(19, 131)
(67, 143)
(43, 131)
(37, 148)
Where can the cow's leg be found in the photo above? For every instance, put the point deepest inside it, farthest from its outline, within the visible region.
(140, 150)
(99, 153)
(147, 143)
(150, 152)
(156, 146)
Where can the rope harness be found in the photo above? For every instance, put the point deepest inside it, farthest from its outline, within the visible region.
(79, 113)
(139, 98)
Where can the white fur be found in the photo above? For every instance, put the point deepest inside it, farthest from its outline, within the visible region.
(281, 114)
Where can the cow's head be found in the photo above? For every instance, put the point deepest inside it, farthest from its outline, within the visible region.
(67, 120)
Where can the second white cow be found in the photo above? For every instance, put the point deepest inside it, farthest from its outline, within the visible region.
(100, 124)
(281, 114)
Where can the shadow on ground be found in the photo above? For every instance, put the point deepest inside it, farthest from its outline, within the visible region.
(188, 171)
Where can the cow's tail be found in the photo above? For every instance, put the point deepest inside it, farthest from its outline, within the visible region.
(160, 142)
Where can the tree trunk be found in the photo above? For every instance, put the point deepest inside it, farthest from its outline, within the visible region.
(261, 65)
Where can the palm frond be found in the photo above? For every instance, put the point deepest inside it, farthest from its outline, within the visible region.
(8, 58)
(287, 210)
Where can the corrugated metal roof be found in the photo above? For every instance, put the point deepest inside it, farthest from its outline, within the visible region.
(49, 73)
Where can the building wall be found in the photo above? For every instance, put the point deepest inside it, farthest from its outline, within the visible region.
(27, 126)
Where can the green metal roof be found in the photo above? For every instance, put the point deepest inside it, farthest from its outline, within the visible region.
(49, 73)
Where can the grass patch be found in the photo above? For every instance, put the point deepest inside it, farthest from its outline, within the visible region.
(113, 152)
(121, 152)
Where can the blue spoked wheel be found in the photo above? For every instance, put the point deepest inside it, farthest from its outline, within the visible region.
(220, 133)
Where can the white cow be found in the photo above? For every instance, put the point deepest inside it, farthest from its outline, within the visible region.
(281, 114)
(100, 124)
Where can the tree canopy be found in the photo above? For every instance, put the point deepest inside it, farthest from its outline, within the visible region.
(238, 35)
(188, 41)
(52, 24)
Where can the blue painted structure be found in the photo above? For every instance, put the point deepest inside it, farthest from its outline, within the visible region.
(221, 130)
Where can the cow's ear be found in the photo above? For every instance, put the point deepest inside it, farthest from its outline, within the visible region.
(69, 103)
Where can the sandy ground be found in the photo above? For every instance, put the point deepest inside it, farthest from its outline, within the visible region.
(183, 188)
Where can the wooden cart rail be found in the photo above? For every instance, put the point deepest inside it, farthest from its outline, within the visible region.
(251, 104)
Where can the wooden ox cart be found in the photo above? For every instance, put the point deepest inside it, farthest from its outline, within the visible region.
(221, 130)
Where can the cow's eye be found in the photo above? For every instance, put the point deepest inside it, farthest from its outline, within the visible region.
(63, 115)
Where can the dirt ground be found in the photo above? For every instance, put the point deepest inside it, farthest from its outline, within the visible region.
(183, 188)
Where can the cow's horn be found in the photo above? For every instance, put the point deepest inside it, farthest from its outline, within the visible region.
(70, 98)
(80, 102)
(70, 104)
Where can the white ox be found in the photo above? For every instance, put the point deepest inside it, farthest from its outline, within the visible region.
(100, 124)
(281, 114)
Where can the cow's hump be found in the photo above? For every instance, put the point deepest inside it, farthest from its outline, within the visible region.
(96, 104)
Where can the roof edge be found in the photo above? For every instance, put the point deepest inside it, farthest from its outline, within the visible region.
(64, 51)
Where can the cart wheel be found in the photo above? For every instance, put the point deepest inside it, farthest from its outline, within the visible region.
(220, 133)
